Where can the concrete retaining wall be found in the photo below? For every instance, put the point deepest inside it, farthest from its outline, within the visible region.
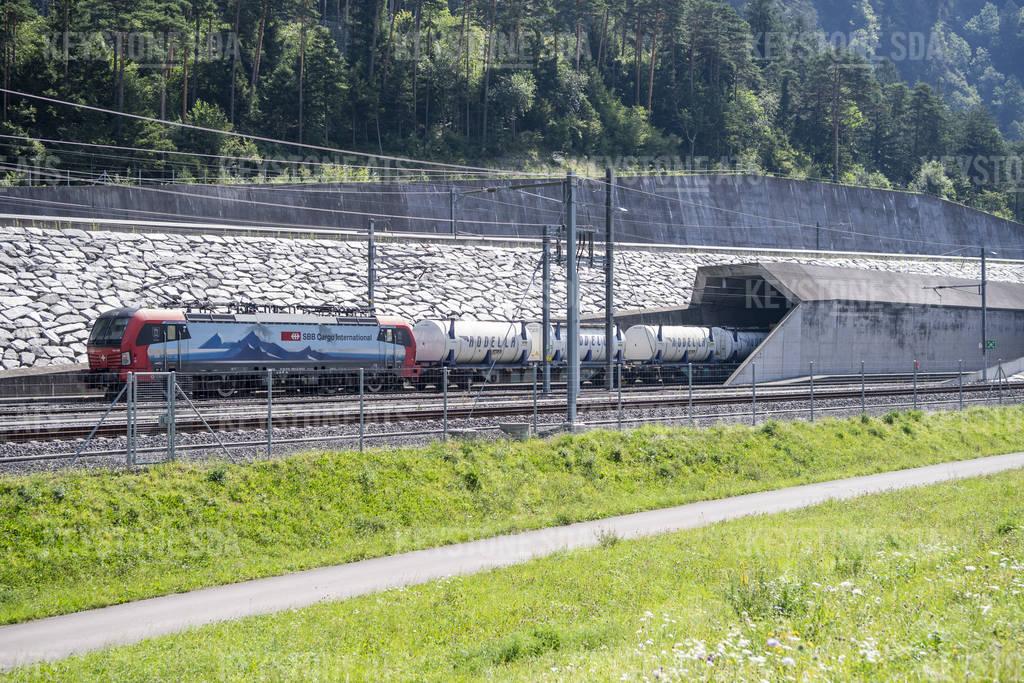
(727, 210)
(53, 283)
(838, 335)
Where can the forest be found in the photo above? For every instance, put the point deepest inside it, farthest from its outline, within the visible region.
(918, 94)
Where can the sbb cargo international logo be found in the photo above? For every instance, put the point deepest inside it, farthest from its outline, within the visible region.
(291, 336)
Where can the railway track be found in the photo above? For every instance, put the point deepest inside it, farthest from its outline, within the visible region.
(253, 416)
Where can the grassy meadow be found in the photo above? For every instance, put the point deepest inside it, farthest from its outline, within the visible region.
(921, 584)
(81, 539)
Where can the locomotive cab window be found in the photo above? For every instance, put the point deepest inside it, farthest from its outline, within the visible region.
(108, 331)
(402, 337)
(157, 333)
(177, 332)
(386, 335)
(151, 333)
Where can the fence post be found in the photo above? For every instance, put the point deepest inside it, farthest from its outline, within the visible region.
(270, 411)
(130, 419)
(863, 407)
(915, 383)
(960, 377)
(689, 394)
(812, 391)
(444, 393)
(536, 418)
(172, 384)
(619, 371)
(999, 379)
(362, 414)
(753, 394)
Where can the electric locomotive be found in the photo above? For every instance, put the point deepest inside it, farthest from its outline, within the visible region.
(224, 354)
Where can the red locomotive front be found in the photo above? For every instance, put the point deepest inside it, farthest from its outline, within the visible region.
(115, 347)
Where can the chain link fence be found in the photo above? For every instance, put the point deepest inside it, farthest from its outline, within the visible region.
(155, 417)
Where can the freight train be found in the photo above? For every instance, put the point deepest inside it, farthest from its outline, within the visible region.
(323, 349)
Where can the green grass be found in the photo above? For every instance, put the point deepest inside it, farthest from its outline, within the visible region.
(925, 584)
(76, 540)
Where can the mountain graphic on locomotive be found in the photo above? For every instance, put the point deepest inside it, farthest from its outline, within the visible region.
(323, 349)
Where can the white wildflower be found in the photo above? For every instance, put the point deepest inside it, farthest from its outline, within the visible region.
(788, 661)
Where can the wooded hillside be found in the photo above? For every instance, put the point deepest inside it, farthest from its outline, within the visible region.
(638, 84)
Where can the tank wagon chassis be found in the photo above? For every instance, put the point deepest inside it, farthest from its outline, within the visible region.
(323, 350)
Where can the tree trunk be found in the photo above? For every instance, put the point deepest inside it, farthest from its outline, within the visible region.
(234, 56)
(430, 82)
(116, 56)
(576, 19)
(487, 72)
(184, 81)
(636, 60)
(67, 29)
(624, 37)
(164, 73)
(465, 32)
(119, 56)
(415, 68)
(650, 69)
(690, 58)
(260, 31)
(302, 72)
(120, 73)
(601, 45)
(4, 50)
(195, 60)
(346, 28)
(373, 41)
(392, 15)
(836, 90)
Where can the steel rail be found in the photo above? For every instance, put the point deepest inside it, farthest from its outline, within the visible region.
(348, 414)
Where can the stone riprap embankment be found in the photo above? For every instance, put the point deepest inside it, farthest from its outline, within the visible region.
(53, 283)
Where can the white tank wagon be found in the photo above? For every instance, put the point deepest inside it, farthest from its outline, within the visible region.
(649, 344)
(592, 347)
(471, 342)
(732, 346)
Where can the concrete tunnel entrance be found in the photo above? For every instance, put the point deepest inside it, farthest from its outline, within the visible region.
(837, 317)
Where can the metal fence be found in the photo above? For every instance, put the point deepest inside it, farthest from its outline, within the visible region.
(161, 416)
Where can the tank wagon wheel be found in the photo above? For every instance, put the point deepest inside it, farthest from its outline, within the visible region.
(375, 384)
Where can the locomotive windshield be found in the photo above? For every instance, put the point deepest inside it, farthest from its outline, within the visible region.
(108, 331)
